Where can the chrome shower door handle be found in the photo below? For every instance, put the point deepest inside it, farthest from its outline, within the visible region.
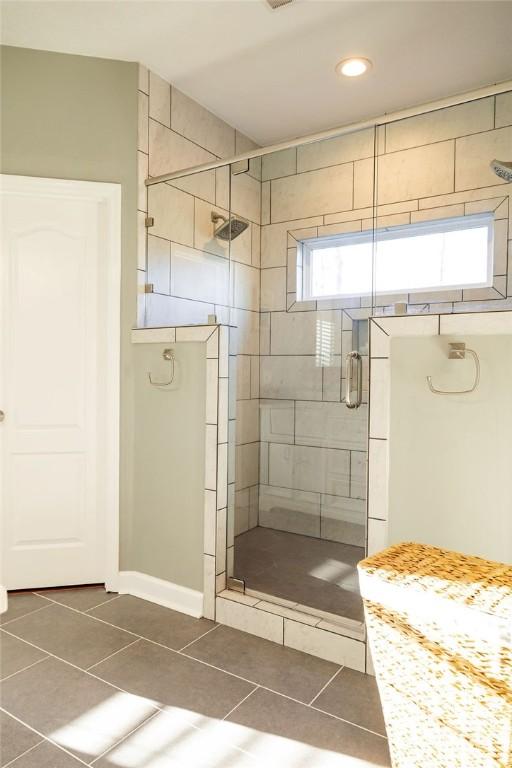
(354, 361)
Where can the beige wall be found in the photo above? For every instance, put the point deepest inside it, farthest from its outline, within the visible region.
(450, 456)
(75, 117)
(169, 465)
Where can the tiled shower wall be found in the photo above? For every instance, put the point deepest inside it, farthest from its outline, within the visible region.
(433, 166)
(190, 270)
(313, 449)
(308, 473)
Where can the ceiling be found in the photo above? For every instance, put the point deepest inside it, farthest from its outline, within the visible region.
(271, 73)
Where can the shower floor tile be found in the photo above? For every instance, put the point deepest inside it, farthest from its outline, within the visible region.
(304, 570)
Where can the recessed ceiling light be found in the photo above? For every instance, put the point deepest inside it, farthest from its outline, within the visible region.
(353, 67)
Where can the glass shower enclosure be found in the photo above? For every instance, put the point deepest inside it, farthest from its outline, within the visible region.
(295, 250)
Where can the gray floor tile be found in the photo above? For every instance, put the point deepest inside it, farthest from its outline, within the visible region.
(171, 679)
(314, 572)
(15, 738)
(21, 603)
(154, 622)
(70, 635)
(79, 598)
(284, 670)
(16, 655)
(354, 697)
(79, 712)
(166, 741)
(313, 739)
(46, 755)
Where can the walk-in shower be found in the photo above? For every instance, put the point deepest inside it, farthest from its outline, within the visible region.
(285, 255)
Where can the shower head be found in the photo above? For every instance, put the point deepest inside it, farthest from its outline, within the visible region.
(502, 169)
(230, 228)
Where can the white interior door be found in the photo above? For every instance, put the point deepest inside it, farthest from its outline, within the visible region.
(56, 261)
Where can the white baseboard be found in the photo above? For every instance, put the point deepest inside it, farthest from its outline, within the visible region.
(3, 599)
(161, 592)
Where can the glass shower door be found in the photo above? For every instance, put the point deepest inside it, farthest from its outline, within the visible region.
(300, 545)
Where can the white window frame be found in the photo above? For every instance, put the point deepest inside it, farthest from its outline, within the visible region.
(473, 221)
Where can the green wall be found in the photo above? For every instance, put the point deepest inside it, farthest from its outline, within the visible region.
(75, 117)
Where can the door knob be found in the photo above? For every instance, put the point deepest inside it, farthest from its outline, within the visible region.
(2, 415)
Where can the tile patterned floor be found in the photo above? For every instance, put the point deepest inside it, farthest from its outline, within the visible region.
(90, 678)
(307, 571)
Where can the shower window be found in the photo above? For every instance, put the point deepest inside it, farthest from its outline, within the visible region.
(424, 256)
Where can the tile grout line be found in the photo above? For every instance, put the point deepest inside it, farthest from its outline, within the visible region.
(124, 648)
(180, 650)
(349, 722)
(322, 689)
(43, 737)
(199, 661)
(36, 610)
(104, 602)
(187, 656)
(29, 666)
(240, 702)
(126, 736)
(22, 754)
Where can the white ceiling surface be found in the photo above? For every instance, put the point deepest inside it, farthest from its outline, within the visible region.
(271, 73)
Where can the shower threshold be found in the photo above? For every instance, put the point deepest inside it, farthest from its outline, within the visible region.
(306, 574)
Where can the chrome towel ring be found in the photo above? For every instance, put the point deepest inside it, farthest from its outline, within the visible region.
(458, 351)
(167, 354)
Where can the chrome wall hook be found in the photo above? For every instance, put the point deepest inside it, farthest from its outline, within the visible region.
(167, 354)
(458, 351)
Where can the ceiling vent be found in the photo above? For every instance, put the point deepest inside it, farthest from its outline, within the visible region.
(275, 4)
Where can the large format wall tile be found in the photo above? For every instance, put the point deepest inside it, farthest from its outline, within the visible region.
(504, 109)
(358, 463)
(312, 194)
(343, 519)
(248, 424)
(278, 164)
(414, 173)
(474, 155)
(247, 287)
(341, 149)
(194, 121)
(273, 289)
(472, 117)
(289, 510)
(247, 332)
(159, 99)
(204, 228)
(198, 275)
(142, 122)
(169, 151)
(306, 333)
(173, 212)
(277, 420)
(324, 470)
(198, 184)
(290, 377)
(247, 465)
(159, 263)
(274, 240)
(246, 196)
(331, 425)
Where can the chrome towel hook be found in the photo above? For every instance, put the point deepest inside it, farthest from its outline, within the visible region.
(167, 354)
(458, 351)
